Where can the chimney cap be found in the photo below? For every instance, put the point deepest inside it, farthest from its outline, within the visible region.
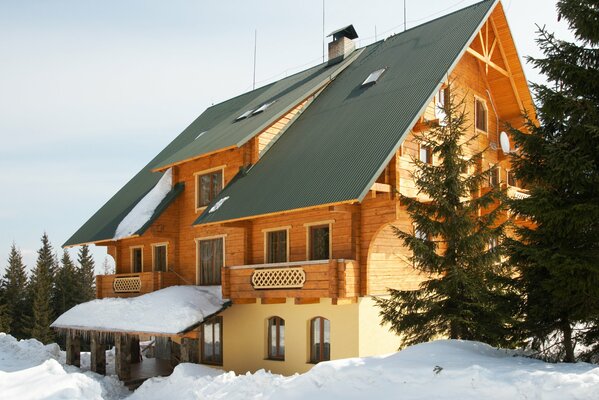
(348, 32)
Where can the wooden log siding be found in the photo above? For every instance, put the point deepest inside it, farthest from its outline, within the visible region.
(336, 279)
(150, 281)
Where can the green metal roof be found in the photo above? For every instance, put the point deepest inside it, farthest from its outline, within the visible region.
(337, 148)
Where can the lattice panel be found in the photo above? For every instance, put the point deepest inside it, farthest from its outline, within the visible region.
(130, 284)
(279, 278)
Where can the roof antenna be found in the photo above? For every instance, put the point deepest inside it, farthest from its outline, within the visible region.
(405, 24)
(255, 45)
(375, 36)
(323, 34)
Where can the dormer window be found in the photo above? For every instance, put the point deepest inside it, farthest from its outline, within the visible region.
(373, 77)
(244, 115)
(208, 186)
(263, 107)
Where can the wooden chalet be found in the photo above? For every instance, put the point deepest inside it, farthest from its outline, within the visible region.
(285, 197)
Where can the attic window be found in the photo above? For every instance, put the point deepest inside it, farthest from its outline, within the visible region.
(244, 115)
(263, 107)
(374, 77)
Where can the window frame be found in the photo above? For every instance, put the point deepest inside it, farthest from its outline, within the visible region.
(197, 176)
(198, 258)
(495, 172)
(132, 249)
(154, 246)
(212, 321)
(278, 323)
(429, 154)
(483, 102)
(321, 336)
(267, 233)
(318, 224)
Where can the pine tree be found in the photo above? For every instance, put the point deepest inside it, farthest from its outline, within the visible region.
(464, 297)
(41, 289)
(86, 274)
(67, 289)
(15, 297)
(5, 321)
(558, 258)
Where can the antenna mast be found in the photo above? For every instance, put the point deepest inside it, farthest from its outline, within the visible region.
(323, 37)
(405, 24)
(255, 46)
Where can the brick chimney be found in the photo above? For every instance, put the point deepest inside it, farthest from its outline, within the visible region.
(342, 45)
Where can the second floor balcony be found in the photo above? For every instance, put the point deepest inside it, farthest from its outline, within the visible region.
(133, 284)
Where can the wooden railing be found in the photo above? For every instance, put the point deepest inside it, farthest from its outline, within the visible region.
(130, 285)
(336, 279)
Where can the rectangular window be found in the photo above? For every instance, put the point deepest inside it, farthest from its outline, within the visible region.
(480, 115)
(426, 155)
(319, 242)
(511, 179)
(212, 346)
(494, 177)
(160, 258)
(276, 246)
(136, 259)
(208, 186)
(276, 338)
(210, 261)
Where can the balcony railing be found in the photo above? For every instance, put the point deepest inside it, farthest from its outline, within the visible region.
(514, 192)
(336, 279)
(129, 285)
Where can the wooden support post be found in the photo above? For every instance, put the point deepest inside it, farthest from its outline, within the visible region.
(175, 353)
(190, 350)
(135, 350)
(122, 362)
(98, 354)
(73, 349)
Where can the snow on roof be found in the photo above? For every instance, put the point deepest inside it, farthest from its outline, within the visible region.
(143, 211)
(168, 311)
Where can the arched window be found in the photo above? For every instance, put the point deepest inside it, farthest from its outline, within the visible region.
(320, 340)
(276, 338)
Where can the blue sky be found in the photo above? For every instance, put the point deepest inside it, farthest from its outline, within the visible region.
(92, 90)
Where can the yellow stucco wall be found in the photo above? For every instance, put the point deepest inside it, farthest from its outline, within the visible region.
(355, 331)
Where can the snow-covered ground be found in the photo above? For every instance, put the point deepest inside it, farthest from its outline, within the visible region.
(443, 369)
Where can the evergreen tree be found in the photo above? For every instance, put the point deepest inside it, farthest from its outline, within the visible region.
(558, 257)
(14, 287)
(40, 289)
(86, 272)
(4, 318)
(453, 243)
(67, 290)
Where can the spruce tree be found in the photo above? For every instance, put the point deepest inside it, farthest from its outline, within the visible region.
(15, 297)
(464, 296)
(5, 321)
(86, 274)
(557, 257)
(40, 289)
(67, 290)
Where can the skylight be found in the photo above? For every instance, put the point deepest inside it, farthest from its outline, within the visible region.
(244, 115)
(263, 107)
(374, 77)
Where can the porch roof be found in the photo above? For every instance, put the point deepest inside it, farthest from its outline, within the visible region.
(171, 311)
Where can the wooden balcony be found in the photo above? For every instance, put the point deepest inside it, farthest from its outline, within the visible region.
(514, 192)
(131, 285)
(305, 281)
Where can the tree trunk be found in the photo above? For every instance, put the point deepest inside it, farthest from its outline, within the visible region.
(568, 344)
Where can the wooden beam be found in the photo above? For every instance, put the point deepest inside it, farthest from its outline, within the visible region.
(98, 354)
(190, 351)
(482, 58)
(345, 208)
(122, 356)
(507, 65)
(274, 300)
(73, 349)
(307, 300)
(244, 301)
(343, 301)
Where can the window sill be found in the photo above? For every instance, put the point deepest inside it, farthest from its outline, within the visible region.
(274, 359)
(201, 209)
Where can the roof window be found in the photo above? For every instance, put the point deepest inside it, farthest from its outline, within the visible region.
(200, 135)
(374, 77)
(244, 115)
(263, 107)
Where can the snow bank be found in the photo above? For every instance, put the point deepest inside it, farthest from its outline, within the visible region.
(30, 370)
(143, 211)
(165, 311)
(437, 370)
